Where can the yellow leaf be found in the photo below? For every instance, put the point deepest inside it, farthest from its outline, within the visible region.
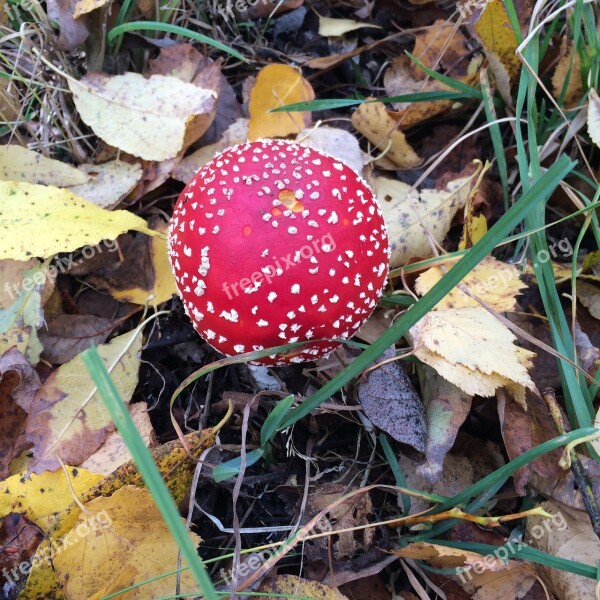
(290, 586)
(67, 416)
(277, 85)
(593, 120)
(568, 75)
(499, 43)
(336, 27)
(41, 496)
(381, 129)
(39, 220)
(495, 282)
(117, 542)
(145, 117)
(108, 183)
(414, 219)
(473, 350)
(83, 7)
(475, 226)
(20, 164)
(164, 281)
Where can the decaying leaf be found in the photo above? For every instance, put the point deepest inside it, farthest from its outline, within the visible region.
(290, 586)
(117, 542)
(72, 32)
(67, 417)
(144, 117)
(108, 183)
(417, 220)
(336, 142)
(337, 27)
(567, 76)
(381, 129)
(277, 85)
(83, 7)
(21, 164)
(589, 296)
(392, 404)
(494, 282)
(42, 221)
(593, 120)
(474, 351)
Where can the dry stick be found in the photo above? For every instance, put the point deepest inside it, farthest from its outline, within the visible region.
(581, 480)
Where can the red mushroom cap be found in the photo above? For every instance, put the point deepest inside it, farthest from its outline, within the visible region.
(272, 243)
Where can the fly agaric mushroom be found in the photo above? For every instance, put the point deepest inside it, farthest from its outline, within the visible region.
(273, 243)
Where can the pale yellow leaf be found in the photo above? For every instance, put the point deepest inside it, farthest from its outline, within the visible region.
(277, 85)
(291, 586)
(39, 497)
(336, 27)
(494, 282)
(473, 350)
(117, 542)
(373, 121)
(114, 452)
(108, 183)
(414, 220)
(164, 281)
(83, 7)
(39, 220)
(67, 416)
(593, 117)
(144, 117)
(20, 164)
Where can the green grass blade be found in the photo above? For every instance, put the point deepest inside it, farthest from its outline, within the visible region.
(147, 468)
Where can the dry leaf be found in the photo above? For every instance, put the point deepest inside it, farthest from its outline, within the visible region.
(126, 542)
(381, 129)
(108, 183)
(593, 117)
(39, 220)
(417, 219)
(277, 85)
(441, 45)
(67, 416)
(335, 142)
(474, 351)
(568, 73)
(20, 164)
(589, 296)
(494, 282)
(72, 32)
(290, 586)
(144, 117)
(114, 452)
(83, 7)
(336, 27)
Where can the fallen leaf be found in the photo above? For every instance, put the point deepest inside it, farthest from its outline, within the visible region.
(23, 314)
(41, 497)
(335, 142)
(261, 9)
(144, 117)
(567, 535)
(415, 220)
(442, 44)
(108, 183)
(277, 85)
(494, 282)
(42, 221)
(65, 336)
(446, 407)
(499, 42)
(18, 384)
(9, 109)
(567, 75)
(473, 350)
(117, 542)
(114, 452)
(83, 7)
(72, 32)
(593, 117)
(163, 285)
(337, 27)
(381, 129)
(291, 586)
(391, 403)
(67, 417)
(589, 296)
(20, 164)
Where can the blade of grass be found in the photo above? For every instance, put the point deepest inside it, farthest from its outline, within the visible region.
(538, 194)
(118, 32)
(148, 470)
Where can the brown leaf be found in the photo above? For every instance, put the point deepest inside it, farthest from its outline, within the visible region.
(18, 540)
(73, 32)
